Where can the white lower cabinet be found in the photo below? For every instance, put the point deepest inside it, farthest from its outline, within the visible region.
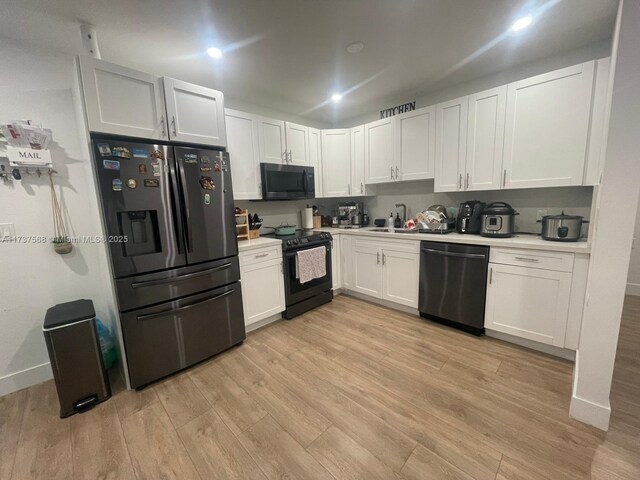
(345, 261)
(529, 302)
(262, 284)
(387, 271)
(335, 262)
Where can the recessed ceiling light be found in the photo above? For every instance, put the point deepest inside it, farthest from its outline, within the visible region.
(336, 97)
(521, 23)
(355, 47)
(214, 52)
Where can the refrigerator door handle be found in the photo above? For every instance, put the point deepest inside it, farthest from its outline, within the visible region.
(177, 218)
(150, 316)
(186, 211)
(186, 276)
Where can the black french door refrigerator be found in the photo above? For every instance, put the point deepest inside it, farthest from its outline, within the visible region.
(170, 224)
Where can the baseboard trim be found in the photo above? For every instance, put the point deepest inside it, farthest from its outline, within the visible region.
(26, 378)
(378, 301)
(263, 322)
(533, 345)
(590, 413)
(633, 289)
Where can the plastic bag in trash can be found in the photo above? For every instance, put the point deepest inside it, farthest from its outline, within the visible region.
(107, 346)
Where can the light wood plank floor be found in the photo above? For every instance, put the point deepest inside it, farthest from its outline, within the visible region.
(348, 391)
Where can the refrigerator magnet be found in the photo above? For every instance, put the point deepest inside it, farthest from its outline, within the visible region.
(205, 159)
(205, 169)
(142, 169)
(140, 153)
(207, 183)
(190, 158)
(151, 182)
(122, 152)
(216, 167)
(157, 154)
(116, 185)
(111, 164)
(207, 199)
(104, 149)
(132, 183)
(156, 169)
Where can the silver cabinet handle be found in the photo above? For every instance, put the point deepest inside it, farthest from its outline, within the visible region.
(526, 259)
(285, 157)
(397, 172)
(261, 255)
(384, 258)
(164, 133)
(349, 188)
(490, 276)
(173, 123)
(378, 258)
(290, 157)
(460, 182)
(504, 178)
(391, 173)
(361, 187)
(467, 186)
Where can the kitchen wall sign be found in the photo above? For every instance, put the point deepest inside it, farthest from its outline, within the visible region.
(405, 107)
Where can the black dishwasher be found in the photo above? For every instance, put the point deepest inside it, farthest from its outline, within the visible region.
(453, 284)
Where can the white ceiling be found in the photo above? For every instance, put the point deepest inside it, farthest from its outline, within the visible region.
(290, 54)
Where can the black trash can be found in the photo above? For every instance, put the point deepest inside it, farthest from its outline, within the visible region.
(76, 360)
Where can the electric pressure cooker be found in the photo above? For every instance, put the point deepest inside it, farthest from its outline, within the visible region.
(562, 228)
(498, 220)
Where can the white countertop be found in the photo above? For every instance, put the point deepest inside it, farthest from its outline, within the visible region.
(260, 242)
(533, 242)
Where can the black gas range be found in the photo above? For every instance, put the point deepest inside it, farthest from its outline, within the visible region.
(302, 297)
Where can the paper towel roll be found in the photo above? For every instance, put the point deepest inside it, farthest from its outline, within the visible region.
(307, 218)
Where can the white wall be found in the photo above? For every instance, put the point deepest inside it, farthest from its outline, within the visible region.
(616, 204)
(572, 57)
(633, 279)
(38, 86)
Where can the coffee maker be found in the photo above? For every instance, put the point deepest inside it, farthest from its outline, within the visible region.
(469, 217)
(349, 214)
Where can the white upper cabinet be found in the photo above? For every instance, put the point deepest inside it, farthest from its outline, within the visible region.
(485, 139)
(242, 144)
(380, 164)
(415, 143)
(599, 123)
(297, 137)
(336, 162)
(122, 101)
(357, 161)
(451, 144)
(547, 126)
(272, 140)
(195, 114)
(315, 158)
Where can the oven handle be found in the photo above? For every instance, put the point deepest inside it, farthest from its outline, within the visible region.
(150, 316)
(293, 253)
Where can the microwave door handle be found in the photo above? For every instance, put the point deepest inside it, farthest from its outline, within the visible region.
(304, 181)
(185, 209)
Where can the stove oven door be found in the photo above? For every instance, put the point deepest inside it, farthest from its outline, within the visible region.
(294, 290)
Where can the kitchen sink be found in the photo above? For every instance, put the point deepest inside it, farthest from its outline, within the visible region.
(394, 230)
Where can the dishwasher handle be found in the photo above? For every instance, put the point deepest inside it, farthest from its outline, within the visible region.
(454, 254)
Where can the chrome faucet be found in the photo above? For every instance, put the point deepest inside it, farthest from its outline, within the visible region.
(404, 212)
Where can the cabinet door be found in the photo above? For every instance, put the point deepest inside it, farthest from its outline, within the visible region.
(599, 123)
(297, 144)
(451, 144)
(335, 263)
(485, 139)
(336, 162)
(416, 143)
(315, 158)
(528, 302)
(367, 270)
(122, 101)
(380, 164)
(271, 138)
(400, 274)
(547, 127)
(357, 161)
(195, 113)
(262, 290)
(242, 144)
(345, 261)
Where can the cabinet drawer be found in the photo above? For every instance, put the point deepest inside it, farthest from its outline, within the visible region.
(559, 262)
(260, 255)
(407, 246)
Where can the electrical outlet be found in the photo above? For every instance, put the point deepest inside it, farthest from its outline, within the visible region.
(541, 213)
(7, 232)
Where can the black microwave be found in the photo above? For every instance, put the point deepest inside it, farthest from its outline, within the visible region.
(287, 182)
